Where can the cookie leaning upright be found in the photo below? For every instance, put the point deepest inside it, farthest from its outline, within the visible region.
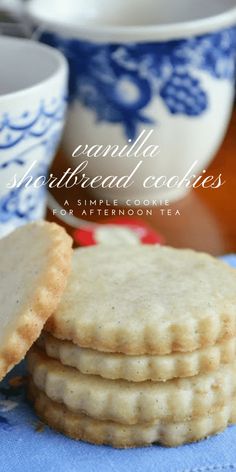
(146, 300)
(34, 267)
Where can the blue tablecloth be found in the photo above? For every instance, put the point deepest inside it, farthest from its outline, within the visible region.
(25, 446)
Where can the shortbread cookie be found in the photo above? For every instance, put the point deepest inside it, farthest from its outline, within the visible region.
(139, 368)
(34, 267)
(80, 426)
(146, 300)
(132, 402)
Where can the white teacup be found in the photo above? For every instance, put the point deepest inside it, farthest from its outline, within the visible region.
(33, 94)
(158, 65)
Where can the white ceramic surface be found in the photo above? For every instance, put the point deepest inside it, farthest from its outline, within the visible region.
(33, 90)
(127, 76)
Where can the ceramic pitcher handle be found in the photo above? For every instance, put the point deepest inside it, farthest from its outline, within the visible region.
(34, 33)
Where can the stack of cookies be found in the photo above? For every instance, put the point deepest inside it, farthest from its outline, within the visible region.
(141, 348)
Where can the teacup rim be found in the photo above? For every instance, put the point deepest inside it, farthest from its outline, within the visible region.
(62, 67)
(146, 33)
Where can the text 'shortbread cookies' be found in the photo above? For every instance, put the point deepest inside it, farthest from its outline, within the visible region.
(34, 267)
(139, 368)
(146, 300)
(80, 426)
(131, 402)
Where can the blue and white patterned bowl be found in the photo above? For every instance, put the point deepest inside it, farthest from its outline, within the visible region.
(135, 65)
(33, 92)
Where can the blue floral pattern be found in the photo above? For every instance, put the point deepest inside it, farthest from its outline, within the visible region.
(22, 203)
(32, 133)
(118, 81)
(36, 124)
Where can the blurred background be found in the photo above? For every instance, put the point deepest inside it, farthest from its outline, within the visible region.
(204, 219)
